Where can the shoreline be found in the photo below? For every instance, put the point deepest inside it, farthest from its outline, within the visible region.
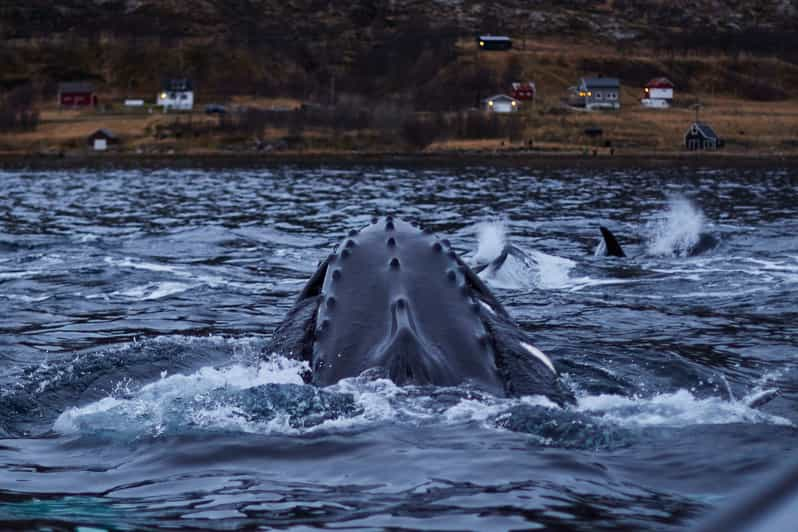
(532, 159)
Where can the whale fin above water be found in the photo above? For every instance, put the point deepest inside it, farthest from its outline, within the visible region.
(496, 263)
(706, 242)
(611, 246)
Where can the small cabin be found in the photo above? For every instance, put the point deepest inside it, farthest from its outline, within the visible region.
(101, 139)
(494, 42)
(523, 91)
(658, 93)
(176, 94)
(501, 103)
(76, 94)
(597, 93)
(701, 136)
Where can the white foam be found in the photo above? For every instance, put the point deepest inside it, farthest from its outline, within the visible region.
(149, 404)
(183, 273)
(183, 402)
(676, 230)
(152, 291)
(675, 409)
(553, 272)
(533, 269)
(18, 275)
(491, 239)
(25, 299)
(148, 266)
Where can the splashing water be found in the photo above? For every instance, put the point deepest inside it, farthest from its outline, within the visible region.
(270, 398)
(210, 398)
(521, 269)
(491, 239)
(675, 231)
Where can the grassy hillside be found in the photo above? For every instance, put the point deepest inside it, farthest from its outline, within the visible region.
(299, 46)
(381, 61)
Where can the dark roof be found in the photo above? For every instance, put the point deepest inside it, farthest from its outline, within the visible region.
(76, 86)
(705, 130)
(494, 38)
(178, 85)
(103, 132)
(602, 83)
(660, 83)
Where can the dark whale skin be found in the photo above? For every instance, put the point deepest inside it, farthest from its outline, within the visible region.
(398, 302)
(396, 298)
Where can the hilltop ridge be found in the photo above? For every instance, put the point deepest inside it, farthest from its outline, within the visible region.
(613, 19)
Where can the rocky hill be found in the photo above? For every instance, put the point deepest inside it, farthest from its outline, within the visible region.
(611, 20)
(308, 47)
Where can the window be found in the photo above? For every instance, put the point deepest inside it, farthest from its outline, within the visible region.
(612, 96)
(598, 95)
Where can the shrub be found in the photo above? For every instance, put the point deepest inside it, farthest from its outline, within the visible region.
(17, 112)
(420, 132)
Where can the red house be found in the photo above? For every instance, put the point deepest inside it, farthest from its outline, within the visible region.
(76, 94)
(659, 89)
(523, 91)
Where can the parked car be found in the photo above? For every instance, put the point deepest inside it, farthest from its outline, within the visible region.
(215, 109)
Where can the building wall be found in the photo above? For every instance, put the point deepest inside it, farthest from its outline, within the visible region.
(183, 101)
(662, 94)
(607, 98)
(693, 141)
(75, 99)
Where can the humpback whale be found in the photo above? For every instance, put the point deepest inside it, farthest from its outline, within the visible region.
(399, 301)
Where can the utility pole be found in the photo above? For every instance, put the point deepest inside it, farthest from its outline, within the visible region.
(697, 107)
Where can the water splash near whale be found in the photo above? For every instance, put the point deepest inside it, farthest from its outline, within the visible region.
(677, 230)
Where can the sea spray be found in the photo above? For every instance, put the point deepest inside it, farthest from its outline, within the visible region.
(676, 230)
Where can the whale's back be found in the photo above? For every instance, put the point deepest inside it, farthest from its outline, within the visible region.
(397, 299)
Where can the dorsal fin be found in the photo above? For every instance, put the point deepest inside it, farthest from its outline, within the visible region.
(613, 248)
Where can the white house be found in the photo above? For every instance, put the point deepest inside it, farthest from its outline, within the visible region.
(501, 103)
(177, 94)
(658, 93)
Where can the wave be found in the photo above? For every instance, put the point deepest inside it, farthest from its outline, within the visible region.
(270, 398)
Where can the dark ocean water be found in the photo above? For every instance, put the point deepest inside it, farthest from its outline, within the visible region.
(136, 306)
